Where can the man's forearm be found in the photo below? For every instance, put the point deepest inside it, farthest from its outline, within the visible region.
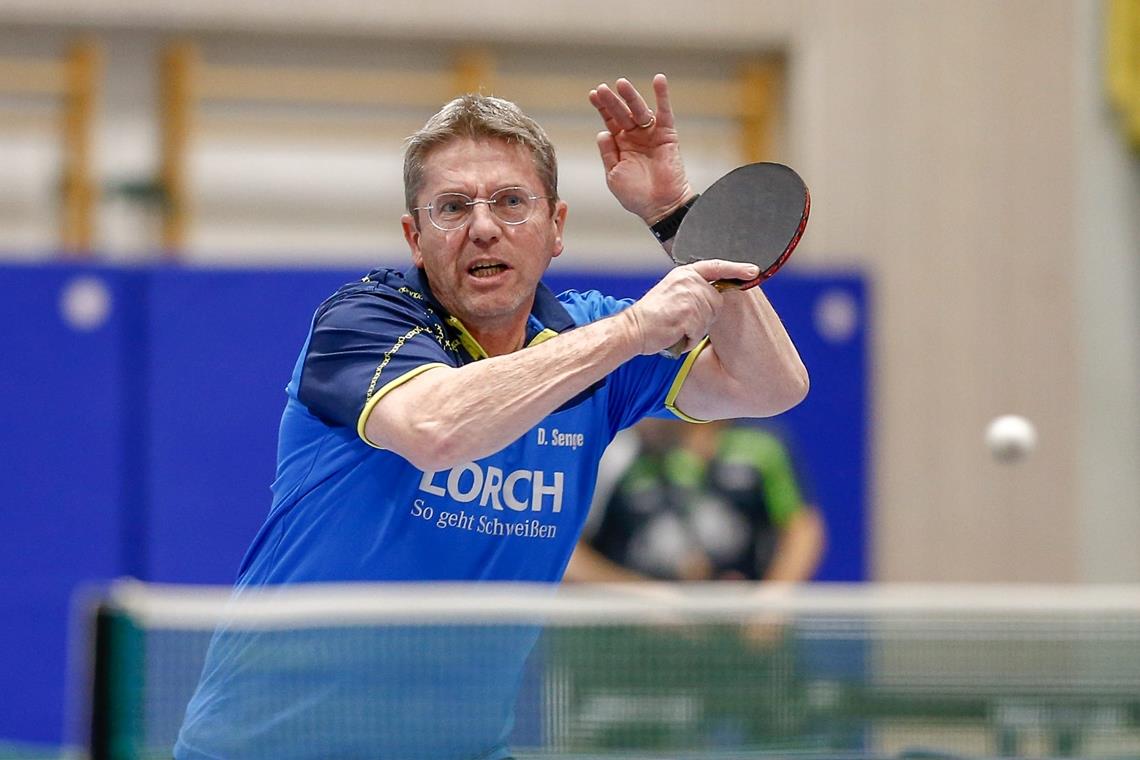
(752, 368)
(752, 343)
(447, 416)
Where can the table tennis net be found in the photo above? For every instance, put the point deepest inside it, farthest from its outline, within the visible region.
(647, 671)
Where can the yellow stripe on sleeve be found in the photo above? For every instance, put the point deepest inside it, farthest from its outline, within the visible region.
(384, 391)
(679, 380)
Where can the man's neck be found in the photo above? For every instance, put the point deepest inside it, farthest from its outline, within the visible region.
(500, 339)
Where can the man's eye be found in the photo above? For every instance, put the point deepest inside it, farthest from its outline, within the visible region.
(510, 200)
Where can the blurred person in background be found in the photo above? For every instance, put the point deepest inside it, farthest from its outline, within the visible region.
(713, 502)
(686, 502)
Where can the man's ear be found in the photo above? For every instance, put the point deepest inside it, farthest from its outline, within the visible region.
(412, 235)
(558, 219)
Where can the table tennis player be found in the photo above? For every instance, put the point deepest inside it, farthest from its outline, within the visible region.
(445, 423)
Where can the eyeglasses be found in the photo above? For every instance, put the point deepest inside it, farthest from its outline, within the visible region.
(512, 205)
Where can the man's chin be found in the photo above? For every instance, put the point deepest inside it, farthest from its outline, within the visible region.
(493, 307)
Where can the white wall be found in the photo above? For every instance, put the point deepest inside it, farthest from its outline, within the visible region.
(958, 151)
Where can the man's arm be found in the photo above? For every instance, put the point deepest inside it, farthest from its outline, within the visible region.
(588, 565)
(799, 548)
(449, 415)
(751, 369)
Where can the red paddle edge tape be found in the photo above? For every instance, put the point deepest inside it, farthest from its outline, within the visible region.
(767, 273)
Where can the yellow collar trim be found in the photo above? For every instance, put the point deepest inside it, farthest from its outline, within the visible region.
(467, 340)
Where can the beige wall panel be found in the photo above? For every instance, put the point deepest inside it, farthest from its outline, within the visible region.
(940, 156)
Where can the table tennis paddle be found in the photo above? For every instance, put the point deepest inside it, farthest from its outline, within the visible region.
(754, 214)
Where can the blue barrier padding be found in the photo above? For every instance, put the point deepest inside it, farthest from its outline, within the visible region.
(63, 476)
(222, 347)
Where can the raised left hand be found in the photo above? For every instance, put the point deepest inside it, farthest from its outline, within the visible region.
(640, 150)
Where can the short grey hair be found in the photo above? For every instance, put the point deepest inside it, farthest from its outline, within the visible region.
(478, 117)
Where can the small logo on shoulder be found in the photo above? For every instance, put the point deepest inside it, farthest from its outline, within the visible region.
(556, 437)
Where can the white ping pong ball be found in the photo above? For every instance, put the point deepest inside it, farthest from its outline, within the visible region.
(1010, 438)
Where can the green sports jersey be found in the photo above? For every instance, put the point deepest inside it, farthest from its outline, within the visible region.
(669, 504)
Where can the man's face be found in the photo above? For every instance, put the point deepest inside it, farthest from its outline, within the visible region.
(485, 272)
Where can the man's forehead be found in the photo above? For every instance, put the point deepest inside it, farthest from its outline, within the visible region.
(488, 160)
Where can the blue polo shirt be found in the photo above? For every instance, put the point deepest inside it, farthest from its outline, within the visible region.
(345, 510)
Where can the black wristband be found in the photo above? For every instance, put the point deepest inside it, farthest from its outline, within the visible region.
(665, 229)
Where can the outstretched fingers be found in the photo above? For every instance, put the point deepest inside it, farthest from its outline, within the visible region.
(622, 107)
(601, 100)
(614, 111)
(643, 117)
(664, 107)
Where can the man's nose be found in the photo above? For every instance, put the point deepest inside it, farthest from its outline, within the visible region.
(484, 225)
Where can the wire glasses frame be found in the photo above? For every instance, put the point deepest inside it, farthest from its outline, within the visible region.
(511, 205)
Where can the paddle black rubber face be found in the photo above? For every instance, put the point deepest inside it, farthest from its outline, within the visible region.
(755, 213)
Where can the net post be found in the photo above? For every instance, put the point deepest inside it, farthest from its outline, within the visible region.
(116, 685)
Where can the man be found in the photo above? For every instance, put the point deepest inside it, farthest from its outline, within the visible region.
(445, 423)
(698, 502)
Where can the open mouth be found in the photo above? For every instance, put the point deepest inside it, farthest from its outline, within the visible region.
(487, 270)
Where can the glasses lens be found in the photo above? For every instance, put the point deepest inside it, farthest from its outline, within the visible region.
(512, 204)
(450, 210)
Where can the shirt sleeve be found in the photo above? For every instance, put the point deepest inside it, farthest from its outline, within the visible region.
(643, 386)
(362, 346)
